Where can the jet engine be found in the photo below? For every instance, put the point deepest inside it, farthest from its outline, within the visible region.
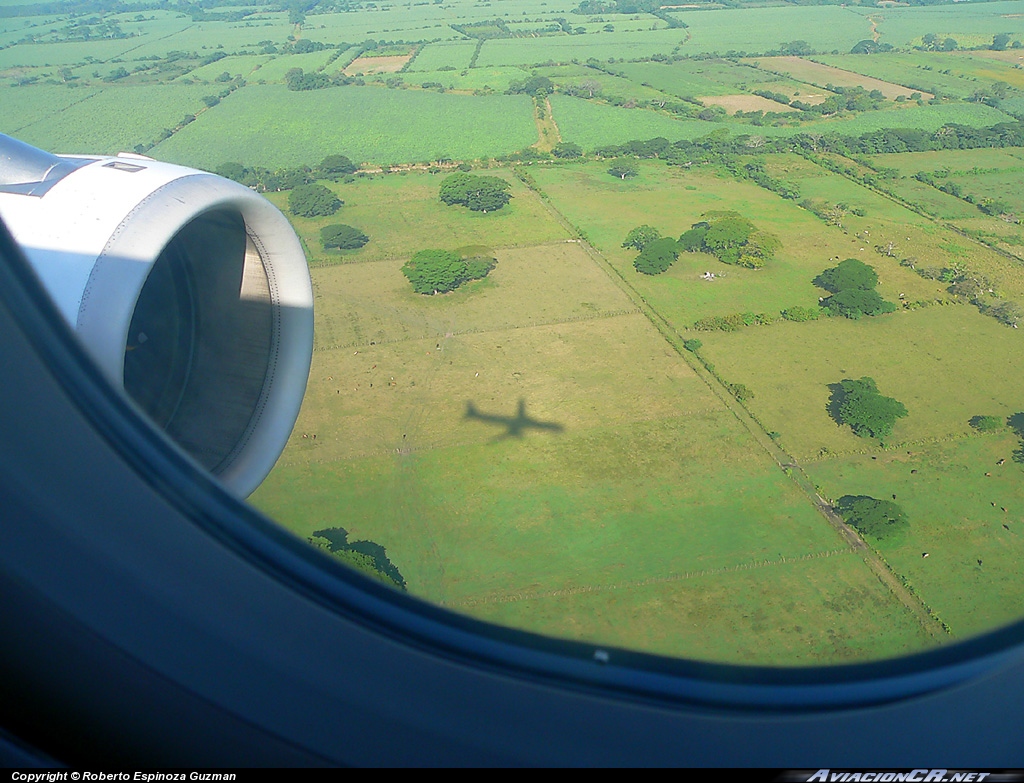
(191, 292)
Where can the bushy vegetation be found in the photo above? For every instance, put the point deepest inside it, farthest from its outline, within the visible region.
(440, 271)
(988, 423)
(478, 193)
(732, 239)
(342, 237)
(852, 284)
(313, 200)
(879, 519)
(657, 256)
(859, 404)
(641, 236)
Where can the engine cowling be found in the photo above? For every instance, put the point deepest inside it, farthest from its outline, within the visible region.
(191, 292)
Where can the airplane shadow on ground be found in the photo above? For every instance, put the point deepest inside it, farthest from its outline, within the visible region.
(514, 425)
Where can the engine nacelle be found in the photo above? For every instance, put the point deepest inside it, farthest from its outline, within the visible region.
(191, 292)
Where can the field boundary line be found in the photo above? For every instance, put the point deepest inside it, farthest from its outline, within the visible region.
(457, 332)
(652, 580)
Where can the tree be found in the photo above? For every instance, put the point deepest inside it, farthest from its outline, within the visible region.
(641, 236)
(480, 194)
(732, 238)
(856, 302)
(860, 405)
(343, 237)
(876, 518)
(987, 423)
(313, 200)
(623, 170)
(567, 149)
(657, 256)
(1000, 41)
(850, 273)
(336, 165)
(440, 271)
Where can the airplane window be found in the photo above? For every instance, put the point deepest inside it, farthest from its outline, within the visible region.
(616, 331)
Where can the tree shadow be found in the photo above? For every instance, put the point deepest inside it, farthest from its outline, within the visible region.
(338, 544)
(1016, 423)
(835, 402)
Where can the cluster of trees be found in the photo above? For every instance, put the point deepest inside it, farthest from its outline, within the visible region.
(440, 271)
(987, 423)
(879, 519)
(656, 252)
(333, 167)
(732, 239)
(852, 284)
(313, 200)
(718, 144)
(859, 404)
(343, 237)
(534, 85)
(480, 194)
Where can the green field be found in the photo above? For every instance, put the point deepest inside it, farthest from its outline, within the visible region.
(956, 501)
(548, 327)
(115, 119)
(259, 124)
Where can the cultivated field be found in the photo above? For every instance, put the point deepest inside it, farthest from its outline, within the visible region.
(821, 75)
(259, 125)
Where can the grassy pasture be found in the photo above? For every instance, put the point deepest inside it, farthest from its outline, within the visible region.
(762, 29)
(275, 69)
(924, 71)
(945, 364)
(611, 86)
(566, 48)
(687, 78)
(26, 105)
(818, 74)
(232, 36)
(592, 124)
(437, 55)
(373, 64)
(394, 209)
(379, 305)
(928, 118)
(744, 102)
(245, 65)
(900, 26)
(909, 163)
(469, 80)
(791, 613)
(70, 53)
(260, 125)
(672, 199)
(400, 464)
(949, 502)
(114, 119)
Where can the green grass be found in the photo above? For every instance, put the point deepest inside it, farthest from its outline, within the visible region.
(761, 29)
(26, 105)
(393, 209)
(70, 53)
(900, 26)
(949, 502)
(945, 364)
(261, 125)
(275, 70)
(497, 79)
(115, 119)
(244, 66)
(691, 78)
(566, 48)
(438, 55)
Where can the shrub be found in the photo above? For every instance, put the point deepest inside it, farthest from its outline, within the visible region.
(987, 423)
(313, 200)
(344, 237)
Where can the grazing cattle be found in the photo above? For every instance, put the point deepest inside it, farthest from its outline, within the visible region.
(924, 554)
